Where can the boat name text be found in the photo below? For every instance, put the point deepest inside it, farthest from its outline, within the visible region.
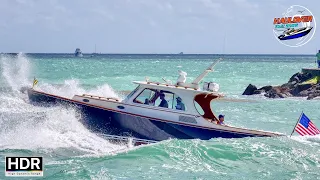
(289, 20)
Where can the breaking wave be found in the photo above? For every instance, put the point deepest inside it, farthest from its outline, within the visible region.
(24, 126)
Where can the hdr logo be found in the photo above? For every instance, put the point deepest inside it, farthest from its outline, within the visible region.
(24, 166)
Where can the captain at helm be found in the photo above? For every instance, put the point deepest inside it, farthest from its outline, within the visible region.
(160, 98)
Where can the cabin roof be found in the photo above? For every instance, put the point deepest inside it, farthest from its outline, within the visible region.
(173, 87)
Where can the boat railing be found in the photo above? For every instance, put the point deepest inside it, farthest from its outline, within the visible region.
(170, 85)
(99, 97)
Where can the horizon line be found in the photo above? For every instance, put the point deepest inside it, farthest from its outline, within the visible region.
(155, 53)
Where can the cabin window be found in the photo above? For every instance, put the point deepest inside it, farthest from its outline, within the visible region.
(154, 98)
(173, 101)
(167, 102)
(179, 104)
(145, 97)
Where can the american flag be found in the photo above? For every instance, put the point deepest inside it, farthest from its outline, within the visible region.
(306, 127)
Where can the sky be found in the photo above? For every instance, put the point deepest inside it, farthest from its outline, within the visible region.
(148, 26)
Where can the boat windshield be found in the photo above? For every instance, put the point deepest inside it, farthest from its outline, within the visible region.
(132, 92)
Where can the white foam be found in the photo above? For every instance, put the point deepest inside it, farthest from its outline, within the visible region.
(307, 139)
(72, 87)
(24, 126)
(15, 70)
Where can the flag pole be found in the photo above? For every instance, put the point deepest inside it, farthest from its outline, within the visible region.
(35, 81)
(296, 124)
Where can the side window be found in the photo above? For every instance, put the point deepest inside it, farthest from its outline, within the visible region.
(179, 104)
(170, 100)
(164, 99)
(145, 97)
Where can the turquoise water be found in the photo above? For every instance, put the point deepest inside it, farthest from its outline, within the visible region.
(70, 151)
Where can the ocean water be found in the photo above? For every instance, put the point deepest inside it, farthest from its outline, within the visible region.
(70, 151)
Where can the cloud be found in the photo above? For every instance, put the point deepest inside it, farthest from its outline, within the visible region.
(211, 4)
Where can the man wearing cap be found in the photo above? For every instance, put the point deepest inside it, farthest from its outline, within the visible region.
(221, 119)
(180, 105)
(163, 102)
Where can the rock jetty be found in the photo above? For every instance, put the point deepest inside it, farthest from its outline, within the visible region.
(295, 87)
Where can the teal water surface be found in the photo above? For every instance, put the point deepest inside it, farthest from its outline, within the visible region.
(71, 151)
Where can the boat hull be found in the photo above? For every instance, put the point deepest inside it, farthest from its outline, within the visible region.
(78, 55)
(111, 121)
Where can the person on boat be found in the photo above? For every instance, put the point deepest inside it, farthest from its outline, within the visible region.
(318, 58)
(180, 105)
(163, 102)
(146, 101)
(221, 120)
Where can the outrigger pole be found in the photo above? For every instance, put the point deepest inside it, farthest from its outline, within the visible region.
(195, 83)
(205, 72)
(296, 124)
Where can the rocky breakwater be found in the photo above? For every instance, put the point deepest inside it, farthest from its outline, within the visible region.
(299, 85)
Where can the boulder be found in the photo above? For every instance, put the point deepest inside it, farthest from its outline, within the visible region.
(288, 94)
(282, 95)
(292, 88)
(294, 77)
(304, 93)
(249, 90)
(266, 88)
(273, 93)
(313, 95)
(301, 87)
(300, 77)
(289, 85)
(258, 91)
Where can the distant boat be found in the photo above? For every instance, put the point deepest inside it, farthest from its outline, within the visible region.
(181, 53)
(295, 33)
(78, 53)
(95, 51)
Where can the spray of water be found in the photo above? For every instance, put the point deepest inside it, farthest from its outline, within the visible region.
(15, 70)
(72, 87)
(24, 126)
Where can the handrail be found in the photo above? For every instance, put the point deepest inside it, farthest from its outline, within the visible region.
(100, 97)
